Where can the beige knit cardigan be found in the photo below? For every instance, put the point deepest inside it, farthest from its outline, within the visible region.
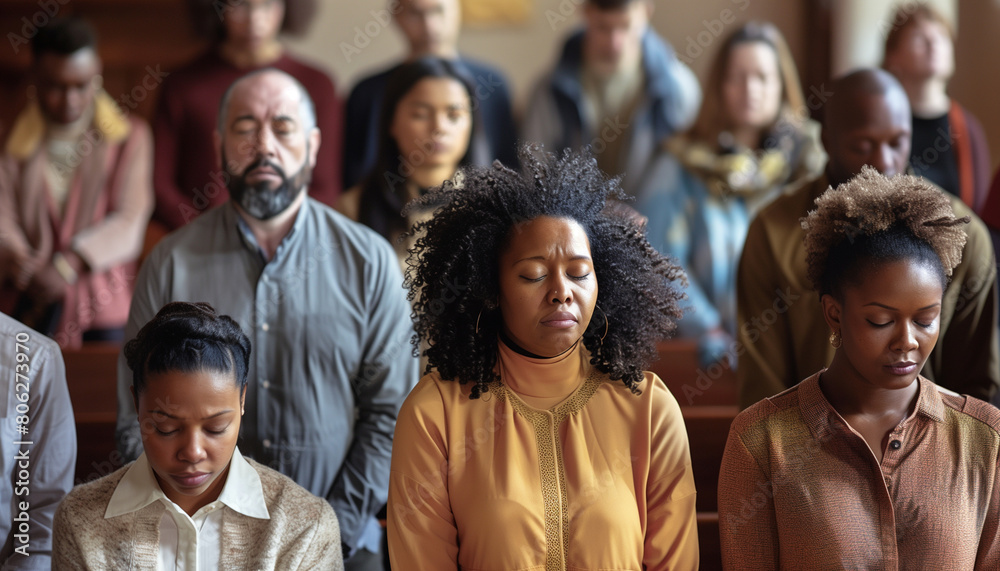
(302, 533)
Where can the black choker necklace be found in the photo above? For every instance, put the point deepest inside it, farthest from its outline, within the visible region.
(521, 351)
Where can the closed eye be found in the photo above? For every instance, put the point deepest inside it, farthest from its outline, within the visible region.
(580, 278)
(873, 324)
(532, 280)
(162, 433)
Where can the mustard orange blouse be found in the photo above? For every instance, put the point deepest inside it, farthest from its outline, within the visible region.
(591, 477)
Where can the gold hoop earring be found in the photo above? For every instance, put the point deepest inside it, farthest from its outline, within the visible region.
(606, 325)
(836, 340)
(488, 304)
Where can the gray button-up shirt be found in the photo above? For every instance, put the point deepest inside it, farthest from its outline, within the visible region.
(331, 361)
(37, 444)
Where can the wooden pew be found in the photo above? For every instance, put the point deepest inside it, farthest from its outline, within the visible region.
(708, 398)
(91, 373)
(691, 384)
(707, 428)
(709, 545)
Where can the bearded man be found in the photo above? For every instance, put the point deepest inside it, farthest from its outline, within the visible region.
(320, 298)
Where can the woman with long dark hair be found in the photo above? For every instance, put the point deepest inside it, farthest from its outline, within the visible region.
(428, 130)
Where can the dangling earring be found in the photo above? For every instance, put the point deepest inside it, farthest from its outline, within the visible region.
(478, 317)
(836, 340)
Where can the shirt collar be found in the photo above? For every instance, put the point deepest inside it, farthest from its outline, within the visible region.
(930, 403)
(819, 414)
(250, 241)
(138, 488)
(243, 491)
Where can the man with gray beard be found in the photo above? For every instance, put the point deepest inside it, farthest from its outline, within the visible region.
(319, 297)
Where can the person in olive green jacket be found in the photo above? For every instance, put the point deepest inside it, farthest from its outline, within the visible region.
(782, 337)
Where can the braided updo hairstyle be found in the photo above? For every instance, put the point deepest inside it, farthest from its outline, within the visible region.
(873, 219)
(453, 274)
(188, 337)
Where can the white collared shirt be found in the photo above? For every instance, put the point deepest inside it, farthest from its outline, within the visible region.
(190, 543)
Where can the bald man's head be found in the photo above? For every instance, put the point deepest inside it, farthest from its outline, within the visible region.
(867, 122)
(307, 110)
(267, 140)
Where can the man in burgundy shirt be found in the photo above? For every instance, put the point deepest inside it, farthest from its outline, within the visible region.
(185, 177)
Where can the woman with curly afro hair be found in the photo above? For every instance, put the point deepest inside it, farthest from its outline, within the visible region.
(536, 441)
(866, 464)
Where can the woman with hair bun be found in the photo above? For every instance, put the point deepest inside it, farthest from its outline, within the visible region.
(191, 500)
(866, 464)
(538, 441)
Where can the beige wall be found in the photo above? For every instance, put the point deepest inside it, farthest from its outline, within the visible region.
(526, 51)
(977, 74)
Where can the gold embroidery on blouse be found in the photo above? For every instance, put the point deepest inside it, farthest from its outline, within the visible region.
(551, 465)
